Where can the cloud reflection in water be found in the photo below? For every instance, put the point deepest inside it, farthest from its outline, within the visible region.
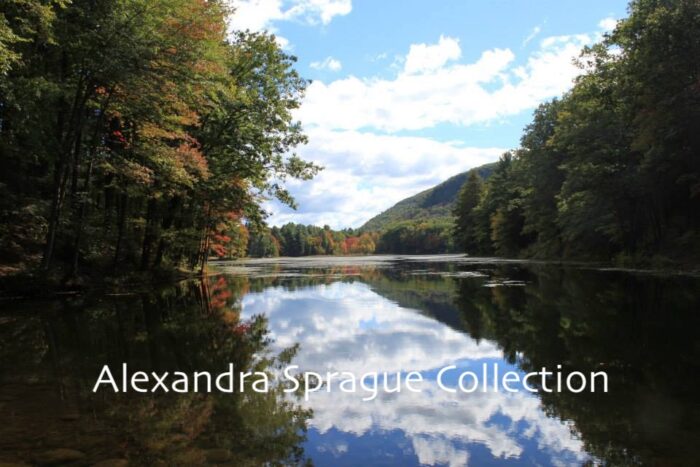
(345, 326)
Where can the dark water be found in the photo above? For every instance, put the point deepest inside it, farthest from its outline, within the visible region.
(358, 315)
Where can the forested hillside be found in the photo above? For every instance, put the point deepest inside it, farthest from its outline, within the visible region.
(420, 224)
(434, 203)
(612, 169)
(137, 134)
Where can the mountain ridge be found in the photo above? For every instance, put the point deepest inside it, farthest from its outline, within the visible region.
(434, 203)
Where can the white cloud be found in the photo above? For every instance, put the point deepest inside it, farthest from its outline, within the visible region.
(326, 10)
(352, 122)
(424, 57)
(329, 63)
(362, 332)
(607, 24)
(283, 42)
(366, 173)
(258, 15)
(430, 90)
(433, 451)
(378, 57)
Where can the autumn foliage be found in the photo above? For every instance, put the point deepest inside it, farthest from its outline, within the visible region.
(138, 134)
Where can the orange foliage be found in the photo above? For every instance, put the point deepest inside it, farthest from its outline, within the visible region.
(191, 158)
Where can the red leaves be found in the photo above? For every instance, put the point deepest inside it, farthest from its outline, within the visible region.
(118, 136)
(241, 329)
(218, 249)
(350, 244)
(219, 294)
(220, 299)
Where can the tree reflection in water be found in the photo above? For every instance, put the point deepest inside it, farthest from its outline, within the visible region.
(51, 354)
(640, 329)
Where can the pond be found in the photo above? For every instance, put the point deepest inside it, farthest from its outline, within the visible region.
(358, 316)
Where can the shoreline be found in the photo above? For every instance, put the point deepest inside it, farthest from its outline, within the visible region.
(34, 285)
(39, 284)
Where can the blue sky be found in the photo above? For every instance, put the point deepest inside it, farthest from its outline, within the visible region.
(408, 93)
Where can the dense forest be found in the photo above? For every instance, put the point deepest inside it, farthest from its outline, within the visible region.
(138, 135)
(135, 135)
(612, 169)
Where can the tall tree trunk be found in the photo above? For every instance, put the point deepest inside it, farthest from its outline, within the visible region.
(168, 221)
(205, 253)
(54, 216)
(79, 222)
(148, 234)
(122, 208)
(83, 200)
(67, 135)
(204, 246)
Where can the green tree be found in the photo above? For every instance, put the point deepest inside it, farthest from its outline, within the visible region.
(540, 163)
(609, 170)
(132, 131)
(500, 213)
(467, 200)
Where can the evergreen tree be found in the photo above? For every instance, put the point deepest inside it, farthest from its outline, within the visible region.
(465, 221)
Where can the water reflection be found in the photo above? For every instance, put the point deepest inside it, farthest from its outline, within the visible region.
(382, 314)
(52, 352)
(349, 327)
(421, 315)
(641, 329)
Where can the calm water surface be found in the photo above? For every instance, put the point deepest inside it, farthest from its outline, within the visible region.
(361, 314)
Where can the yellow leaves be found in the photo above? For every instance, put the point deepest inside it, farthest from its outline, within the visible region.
(152, 131)
(197, 21)
(186, 116)
(129, 171)
(174, 153)
(209, 67)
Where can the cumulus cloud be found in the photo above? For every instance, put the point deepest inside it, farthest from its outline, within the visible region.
(329, 63)
(607, 24)
(361, 332)
(424, 57)
(431, 451)
(260, 15)
(352, 123)
(431, 89)
(365, 173)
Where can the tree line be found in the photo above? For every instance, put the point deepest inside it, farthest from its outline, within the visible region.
(306, 240)
(611, 169)
(427, 236)
(137, 134)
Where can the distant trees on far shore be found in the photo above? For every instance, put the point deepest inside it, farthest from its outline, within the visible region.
(427, 236)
